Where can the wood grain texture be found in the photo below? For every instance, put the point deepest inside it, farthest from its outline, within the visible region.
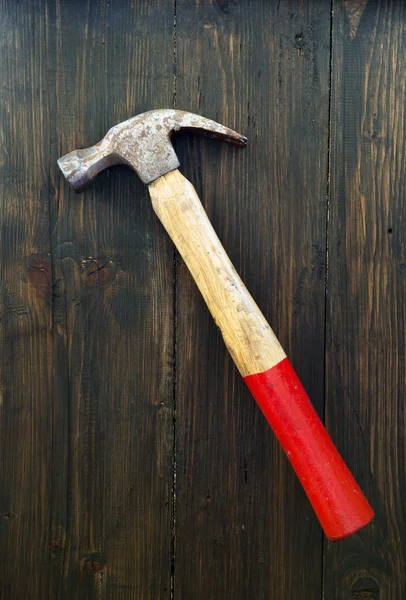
(108, 354)
(27, 382)
(366, 370)
(263, 69)
(87, 311)
(119, 317)
(248, 337)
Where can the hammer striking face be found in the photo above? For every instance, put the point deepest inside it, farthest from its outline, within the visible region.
(143, 143)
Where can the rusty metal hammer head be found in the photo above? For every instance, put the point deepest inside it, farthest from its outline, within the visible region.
(143, 144)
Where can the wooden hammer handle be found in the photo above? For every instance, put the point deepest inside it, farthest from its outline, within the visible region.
(335, 496)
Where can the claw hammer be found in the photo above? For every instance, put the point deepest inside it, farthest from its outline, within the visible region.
(143, 144)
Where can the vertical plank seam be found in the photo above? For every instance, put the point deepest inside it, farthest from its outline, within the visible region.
(50, 105)
(65, 562)
(326, 272)
(102, 587)
(53, 286)
(174, 385)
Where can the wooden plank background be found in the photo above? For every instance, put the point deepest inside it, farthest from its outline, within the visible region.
(134, 463)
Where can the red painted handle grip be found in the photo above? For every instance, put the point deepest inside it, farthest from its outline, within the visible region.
(338, 502)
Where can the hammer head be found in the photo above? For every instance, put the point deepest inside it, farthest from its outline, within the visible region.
(143, 144)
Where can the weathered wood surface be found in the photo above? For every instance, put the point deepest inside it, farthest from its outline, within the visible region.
(366, 291)
(134, 463)
(264, 71)
(87, 374)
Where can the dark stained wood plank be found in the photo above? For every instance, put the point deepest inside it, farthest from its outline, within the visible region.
(87, 311)
(115, 61)
(244, 526)
(366, 370)
(27, 378)
(86, 301)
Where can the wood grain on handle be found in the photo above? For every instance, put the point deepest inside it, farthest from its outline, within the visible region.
(247, 335)
(334, 494)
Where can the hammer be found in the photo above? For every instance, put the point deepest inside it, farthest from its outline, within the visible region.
(143, 144)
